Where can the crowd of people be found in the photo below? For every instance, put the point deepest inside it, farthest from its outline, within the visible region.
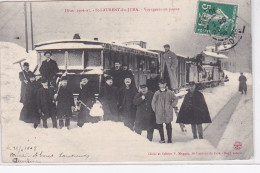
(145, 108)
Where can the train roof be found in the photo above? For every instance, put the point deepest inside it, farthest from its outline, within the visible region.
(162, 51)
(215, 55)
(92, 44)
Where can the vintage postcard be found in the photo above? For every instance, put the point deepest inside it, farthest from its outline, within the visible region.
(126, 81)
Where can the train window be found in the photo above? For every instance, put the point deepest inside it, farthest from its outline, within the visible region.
(92, 58)
(75, 58)
(107, 61)
(131, 62)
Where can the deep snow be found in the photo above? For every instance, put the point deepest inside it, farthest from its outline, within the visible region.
(108, 141)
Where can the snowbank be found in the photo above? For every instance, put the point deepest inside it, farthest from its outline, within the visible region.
(103, 141)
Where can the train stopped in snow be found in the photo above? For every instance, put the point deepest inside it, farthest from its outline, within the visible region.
(93, 59)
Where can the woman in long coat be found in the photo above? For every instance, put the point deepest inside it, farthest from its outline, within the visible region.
(194, 111)
(145, 117)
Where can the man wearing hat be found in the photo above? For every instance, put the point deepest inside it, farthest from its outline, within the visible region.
(125, 102)
(194, 111)
(242, 83)
(49, 68)
(46, 105)
(24, 78)
(145, 117)
(86, 100)
(109, 100)
(126, 72)
(163, 103)
(169, 67)
(65, 103)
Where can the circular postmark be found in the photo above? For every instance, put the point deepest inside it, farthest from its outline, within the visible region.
(237, 145)
(218, 30)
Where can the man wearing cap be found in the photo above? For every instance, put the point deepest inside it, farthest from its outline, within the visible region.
(125, 102)
(194, 111)
(163, 103)
(65, 103)
(169, 67)
(49, 68)
(145, 117)
(109, 99)
(24, 78)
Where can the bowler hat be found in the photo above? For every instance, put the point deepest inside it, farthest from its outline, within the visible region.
(162, 81)
(49, 52)
(166, 45)
(26, 64)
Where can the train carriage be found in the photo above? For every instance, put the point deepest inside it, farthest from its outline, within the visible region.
(94, 58)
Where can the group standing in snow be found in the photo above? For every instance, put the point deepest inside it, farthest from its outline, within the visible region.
(144, 109)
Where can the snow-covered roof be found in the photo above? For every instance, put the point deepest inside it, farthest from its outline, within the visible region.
(68, 46)
(213, 54)
(86, 44)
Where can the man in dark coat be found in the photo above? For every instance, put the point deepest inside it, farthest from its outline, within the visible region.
(242, 83)
(194, 111)
(24, 78)
(145, 117)
(163, 103)
(110, 100)
(86, 99)
(49, 68)
(116, 73)
(125, 103)
(153, 83)
(65, 103)
(46, 105)
(29, 111)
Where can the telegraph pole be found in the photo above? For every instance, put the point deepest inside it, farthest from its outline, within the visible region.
(26, 31)
(31, 25)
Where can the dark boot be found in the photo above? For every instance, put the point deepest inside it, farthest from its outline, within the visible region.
(169, 132)
(161, 132)
(194, 131)
(44, 122)
(200, 131)
(61, 123)
(150, 134)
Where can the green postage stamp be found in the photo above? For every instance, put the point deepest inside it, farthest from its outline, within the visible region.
(216, 19)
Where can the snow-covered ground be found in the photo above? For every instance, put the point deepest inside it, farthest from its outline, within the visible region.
(110, 141)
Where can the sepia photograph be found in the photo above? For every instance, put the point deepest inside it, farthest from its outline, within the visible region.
(128, 82)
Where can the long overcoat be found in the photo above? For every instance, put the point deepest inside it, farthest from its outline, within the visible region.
(45, 102)
(194, 109)
(23, 84)
(125, 102)
(109, 101)
(65, 101)
(145, 117)
(29, 111)
(171, 61)
(163, 103)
